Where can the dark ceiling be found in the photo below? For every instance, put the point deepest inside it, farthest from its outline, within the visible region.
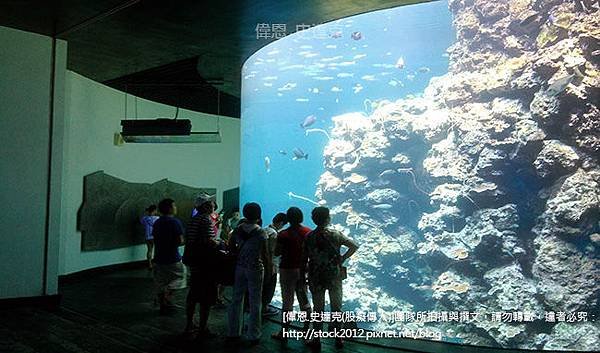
(184, 53)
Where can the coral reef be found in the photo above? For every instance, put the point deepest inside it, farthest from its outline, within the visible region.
(483, 193)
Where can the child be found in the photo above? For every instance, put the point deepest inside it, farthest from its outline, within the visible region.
(147, 221)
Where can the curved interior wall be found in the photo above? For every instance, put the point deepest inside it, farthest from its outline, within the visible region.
(92, 115)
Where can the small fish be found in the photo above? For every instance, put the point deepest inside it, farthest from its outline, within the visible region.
(596, 52)
(393, 83)
(410, 77)
(248, 76)
(333, 58)
(400, 63)
(301, 99)
(385, 66)
(288, 86)
(299, 154)
(378, 183)
(270, 78)
(273, 52)
(559, 85)
(306, 47)
(382, 206)
(268, 84)
(331, 46)
(336, 34)
(359, 56)
(315, 90)
(291, 67)
(357, 88)
(336, 89)
(369, 77)
(308, 121)
(345, 74)
(268, 164)
(283, 152)
(387, 172)
(356, 35)
(424, 69)
(311, 55)
(346, 63)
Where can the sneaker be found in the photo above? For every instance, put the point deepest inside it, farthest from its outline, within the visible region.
(270, 311)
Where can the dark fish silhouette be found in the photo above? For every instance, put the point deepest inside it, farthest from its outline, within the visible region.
(299, 154)
(308, 121)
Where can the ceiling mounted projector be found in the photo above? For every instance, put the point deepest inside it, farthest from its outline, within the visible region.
(165, 130)
(156, 127)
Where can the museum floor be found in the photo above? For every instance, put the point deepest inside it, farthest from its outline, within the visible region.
(113, 312)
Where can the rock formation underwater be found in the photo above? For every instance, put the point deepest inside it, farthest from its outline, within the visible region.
(483, 193)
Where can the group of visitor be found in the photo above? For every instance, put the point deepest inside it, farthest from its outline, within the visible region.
(248, 257)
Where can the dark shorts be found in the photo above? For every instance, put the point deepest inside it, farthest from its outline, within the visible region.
(203, 286)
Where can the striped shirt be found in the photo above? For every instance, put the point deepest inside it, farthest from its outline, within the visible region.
(200, 241)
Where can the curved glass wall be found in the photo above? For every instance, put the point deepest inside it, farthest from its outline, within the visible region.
(452, 145)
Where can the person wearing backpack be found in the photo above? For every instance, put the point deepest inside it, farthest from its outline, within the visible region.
(249, 240)
(325, 272)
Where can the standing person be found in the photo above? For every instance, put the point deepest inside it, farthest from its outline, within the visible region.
(150, 216)
(169, 273)
(292, 275)
(325, 272)
(250, 242)
(231, 224)
(200, 255)
(270, 283)
(216, 218)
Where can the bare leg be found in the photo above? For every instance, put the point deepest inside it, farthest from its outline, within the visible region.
(150, 248)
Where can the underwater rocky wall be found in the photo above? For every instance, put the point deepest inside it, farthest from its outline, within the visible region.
(482, 194)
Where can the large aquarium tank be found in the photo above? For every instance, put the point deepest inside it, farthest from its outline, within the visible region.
(458, 143)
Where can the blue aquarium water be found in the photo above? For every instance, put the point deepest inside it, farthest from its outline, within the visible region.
(324, 72)
(457, 144)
